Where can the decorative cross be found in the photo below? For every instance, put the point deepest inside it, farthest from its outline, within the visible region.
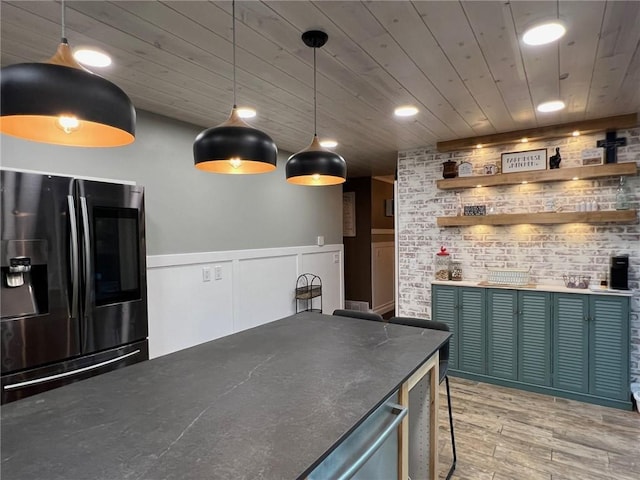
(610, 144)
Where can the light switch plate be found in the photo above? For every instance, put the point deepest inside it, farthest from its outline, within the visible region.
(206, 274)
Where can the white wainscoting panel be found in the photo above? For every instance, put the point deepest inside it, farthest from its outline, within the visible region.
(382, 276)
(328, 265)
(184, 310)
(255, 287)
(264, 290)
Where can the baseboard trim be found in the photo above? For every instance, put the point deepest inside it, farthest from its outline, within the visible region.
(387, 307)
(581, 397)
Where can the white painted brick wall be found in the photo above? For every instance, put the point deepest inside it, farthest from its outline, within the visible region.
(550, 250)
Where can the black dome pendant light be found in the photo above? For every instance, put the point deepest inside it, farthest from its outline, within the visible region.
(315, 166)
(61, 102)
(234, 147)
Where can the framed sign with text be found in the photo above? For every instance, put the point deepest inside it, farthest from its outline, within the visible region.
(592, 156)
(524, 161)
(475, 210)
(349, 214)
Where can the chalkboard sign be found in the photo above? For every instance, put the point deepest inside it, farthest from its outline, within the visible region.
(475, 210)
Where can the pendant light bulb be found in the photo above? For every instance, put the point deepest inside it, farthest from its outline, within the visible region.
(315, 165)
(234, 147)
(62, 103)
(68, 123)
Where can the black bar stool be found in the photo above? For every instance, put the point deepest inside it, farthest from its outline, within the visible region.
(358, 314)
(444, 367)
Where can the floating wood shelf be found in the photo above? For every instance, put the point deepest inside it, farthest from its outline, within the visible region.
(542, 133)
(545, 218)
(556, 175)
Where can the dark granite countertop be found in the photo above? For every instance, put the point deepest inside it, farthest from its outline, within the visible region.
(265, 403)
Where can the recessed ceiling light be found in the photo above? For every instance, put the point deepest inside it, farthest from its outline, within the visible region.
(92, 58)
(328, 143)
(479, 145)
(576, 133)
(524, 140)
(405, 111)
(542, 34)
(246, 112)
(552, 106)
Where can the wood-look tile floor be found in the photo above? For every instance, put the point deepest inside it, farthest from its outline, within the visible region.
(504, 433)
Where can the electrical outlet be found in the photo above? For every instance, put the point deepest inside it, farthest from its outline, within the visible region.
(336, 258)
(320, 240)
(217, 272)
(206, 274)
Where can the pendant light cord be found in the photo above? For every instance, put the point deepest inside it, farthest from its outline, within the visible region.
(233, 35)
(315, 103)
(64, 36)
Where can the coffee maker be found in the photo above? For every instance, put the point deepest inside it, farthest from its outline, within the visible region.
(619, 273)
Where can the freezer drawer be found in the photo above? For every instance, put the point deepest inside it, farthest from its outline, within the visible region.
(37, 380)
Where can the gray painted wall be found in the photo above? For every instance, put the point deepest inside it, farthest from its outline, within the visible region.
(189, 210)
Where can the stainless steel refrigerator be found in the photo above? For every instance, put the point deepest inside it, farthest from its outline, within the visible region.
(73, 299)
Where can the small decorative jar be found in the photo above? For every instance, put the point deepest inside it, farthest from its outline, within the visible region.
(456, 270)
(442, 264)
(449, 169)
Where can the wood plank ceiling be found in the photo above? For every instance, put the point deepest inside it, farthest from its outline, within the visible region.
(461, 63)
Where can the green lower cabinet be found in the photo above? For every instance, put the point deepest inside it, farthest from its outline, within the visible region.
(502, 333)
(591, 345)
(519, 335)
(444, 309)
(534, 337)
(463, 310)
(609, 347)
(574, 345)
(472, 330)
(571, 342)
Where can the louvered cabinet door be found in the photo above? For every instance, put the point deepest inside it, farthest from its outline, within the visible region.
(609, 347)
(444, 309)
(571, 342)
(471, 325)
(534, 340)
(502, 333)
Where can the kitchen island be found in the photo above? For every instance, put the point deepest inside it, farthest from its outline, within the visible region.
(270, 402)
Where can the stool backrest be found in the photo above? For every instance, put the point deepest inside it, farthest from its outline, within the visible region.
(357, 314)
(428, 324)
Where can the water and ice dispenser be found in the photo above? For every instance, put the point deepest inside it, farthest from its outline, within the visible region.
(24, 278)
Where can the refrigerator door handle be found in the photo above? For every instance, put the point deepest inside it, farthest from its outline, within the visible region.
(73, 221)
(87, 255)
(36, 381)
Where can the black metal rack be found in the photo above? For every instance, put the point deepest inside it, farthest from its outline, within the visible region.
(308, 288)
